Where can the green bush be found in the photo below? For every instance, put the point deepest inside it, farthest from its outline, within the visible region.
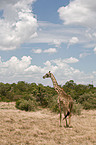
(23, 105)
(29, 96)
(87, 105)
(88, 100)
(52, 104)
(17, 97)
(77, 108)
(29, 105)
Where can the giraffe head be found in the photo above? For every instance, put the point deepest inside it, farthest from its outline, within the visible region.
(47, 75)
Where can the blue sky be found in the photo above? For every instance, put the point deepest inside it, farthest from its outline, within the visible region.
(39, 35)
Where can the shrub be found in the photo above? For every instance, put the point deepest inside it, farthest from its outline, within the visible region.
(42, 100)
(17, 97)
(23, 105)
(87, 105)
(29, 97)
(29, 105)
(77, 108)
(9, 96)
(53, 105)
(88, 100)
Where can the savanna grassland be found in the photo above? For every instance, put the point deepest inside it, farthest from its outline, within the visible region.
(42, 127)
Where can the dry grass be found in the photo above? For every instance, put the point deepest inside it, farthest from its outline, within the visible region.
(42, 127)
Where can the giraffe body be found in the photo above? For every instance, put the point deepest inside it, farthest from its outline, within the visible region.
(64, 100)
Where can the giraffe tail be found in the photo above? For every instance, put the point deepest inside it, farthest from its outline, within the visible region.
(68, 113)
(70, 107)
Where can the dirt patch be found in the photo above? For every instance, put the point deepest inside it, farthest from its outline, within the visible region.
(42, 127)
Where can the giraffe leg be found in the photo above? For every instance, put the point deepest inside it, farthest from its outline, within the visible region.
(70, 108)
(69, 118)
(60, 113)
(60, 119)
(65, 112)
(67, 123)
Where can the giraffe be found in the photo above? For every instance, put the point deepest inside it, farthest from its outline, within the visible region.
(65, 101)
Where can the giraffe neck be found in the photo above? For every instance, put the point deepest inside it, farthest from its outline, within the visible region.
(57, 88)
(55, 84)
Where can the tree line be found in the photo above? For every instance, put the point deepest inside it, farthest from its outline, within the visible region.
(28, 96)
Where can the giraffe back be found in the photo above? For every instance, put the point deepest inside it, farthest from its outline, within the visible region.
(63, 97)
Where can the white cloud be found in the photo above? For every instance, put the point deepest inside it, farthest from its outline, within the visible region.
(79, 11)
(47, 63)
(63, 64)
(33, 68)
(72, 41)
(18, 24)
(14, 65)
(84, 54)
(57, 42)
(50, 50)
(94, 34)
(94, 50)
(37, 51)
(71, 60)
(58, 34)
(16, 69)
(94, 72)
(65, 72)
(80, 14)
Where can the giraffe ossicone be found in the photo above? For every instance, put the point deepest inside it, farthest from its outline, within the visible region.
(65, 101)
